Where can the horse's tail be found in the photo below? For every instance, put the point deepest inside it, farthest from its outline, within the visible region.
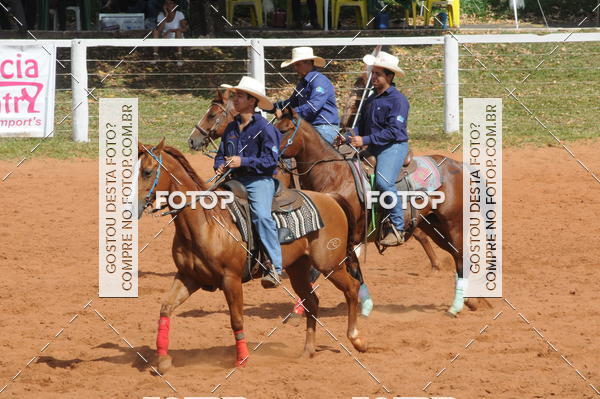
(352, 264)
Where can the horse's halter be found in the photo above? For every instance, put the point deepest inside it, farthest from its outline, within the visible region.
(155, 183)
(209, 135)
(290, 141)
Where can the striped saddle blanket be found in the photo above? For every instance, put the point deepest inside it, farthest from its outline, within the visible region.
(291, 225)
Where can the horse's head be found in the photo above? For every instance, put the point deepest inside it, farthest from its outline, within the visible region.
(349, 104)
(291, 140)
(213, 124)
(152, 177)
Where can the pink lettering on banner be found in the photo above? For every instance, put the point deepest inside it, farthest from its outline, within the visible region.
(10, 103)
(20, 68)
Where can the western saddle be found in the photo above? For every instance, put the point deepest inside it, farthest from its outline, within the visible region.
(285, 199)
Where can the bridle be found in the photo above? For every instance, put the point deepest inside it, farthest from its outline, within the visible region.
(156, 178)
(290, 141)
(208, 135)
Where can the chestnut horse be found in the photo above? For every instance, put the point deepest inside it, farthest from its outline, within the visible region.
(208, 252)
(322, 168)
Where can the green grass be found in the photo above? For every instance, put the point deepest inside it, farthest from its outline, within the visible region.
(562, 93)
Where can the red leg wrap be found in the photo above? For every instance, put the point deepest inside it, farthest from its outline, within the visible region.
(162, 339)
(241, 348)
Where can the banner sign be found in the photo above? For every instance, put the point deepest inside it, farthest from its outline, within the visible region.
(27, 78)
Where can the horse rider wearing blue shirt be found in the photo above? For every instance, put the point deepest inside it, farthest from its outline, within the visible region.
(314, 97)
(250, 146)
(382, 127)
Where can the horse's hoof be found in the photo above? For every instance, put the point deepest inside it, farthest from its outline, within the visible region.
(308, 354)
(471, 304)
(164, 363)
(359, 344)
(242, 362)
(451, 313)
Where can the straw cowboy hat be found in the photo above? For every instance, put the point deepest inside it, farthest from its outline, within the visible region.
(303, 53)
(255, 89)
(384, 60)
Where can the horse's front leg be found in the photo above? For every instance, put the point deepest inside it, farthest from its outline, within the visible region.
(232, 287)
(181, 290)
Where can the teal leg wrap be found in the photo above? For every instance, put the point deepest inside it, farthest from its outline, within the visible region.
(458, 303)
(365, 299)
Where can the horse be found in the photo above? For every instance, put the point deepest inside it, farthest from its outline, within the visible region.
(322, 168)
(208, 252)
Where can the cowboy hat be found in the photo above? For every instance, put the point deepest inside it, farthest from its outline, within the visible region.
(255, 89)
(303, 53)
(384, 60)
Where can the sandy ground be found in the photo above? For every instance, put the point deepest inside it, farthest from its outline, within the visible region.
(49, 267)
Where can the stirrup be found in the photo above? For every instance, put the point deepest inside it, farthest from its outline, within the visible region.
(271, 279)
(398, 235)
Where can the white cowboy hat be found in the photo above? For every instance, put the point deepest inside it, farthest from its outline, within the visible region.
(303, 53)
(255, 89)
(384, 60)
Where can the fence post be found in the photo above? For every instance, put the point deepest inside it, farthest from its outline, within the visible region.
(79, 91)
(451, 85)
(256, 54)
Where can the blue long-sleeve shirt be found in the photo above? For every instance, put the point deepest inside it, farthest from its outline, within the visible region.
(384, 117)
(257, 145)
(314, 100)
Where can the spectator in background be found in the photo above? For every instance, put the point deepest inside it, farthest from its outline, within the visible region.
(61, 11)
(312, 12)
(154, 7)
(171, 24)
(16, 10)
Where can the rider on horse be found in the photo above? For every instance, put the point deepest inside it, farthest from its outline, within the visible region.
(314, 96)
(250, 146)
(382, 126)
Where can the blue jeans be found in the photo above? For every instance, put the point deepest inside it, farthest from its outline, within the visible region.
(327, 131)
(261, 190)
(390, 158)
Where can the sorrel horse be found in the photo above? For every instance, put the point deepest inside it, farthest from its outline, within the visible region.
(208, 256)
(322, 168)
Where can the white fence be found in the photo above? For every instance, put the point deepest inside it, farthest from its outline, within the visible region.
(256, 55)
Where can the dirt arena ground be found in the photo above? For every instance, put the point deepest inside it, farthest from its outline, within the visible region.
(49, 272)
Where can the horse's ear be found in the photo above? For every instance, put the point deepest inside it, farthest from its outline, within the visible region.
(293, 113)
(160, 147)
(140, 148)
(361, 81)
(219, 94)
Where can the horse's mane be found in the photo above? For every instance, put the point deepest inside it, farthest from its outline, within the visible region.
(328, 145)
(175, 153)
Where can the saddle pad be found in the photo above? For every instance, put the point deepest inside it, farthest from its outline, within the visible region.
(300, 222)
(360, 179)
(427, 175)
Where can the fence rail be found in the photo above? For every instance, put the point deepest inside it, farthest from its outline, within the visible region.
(256, 59)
